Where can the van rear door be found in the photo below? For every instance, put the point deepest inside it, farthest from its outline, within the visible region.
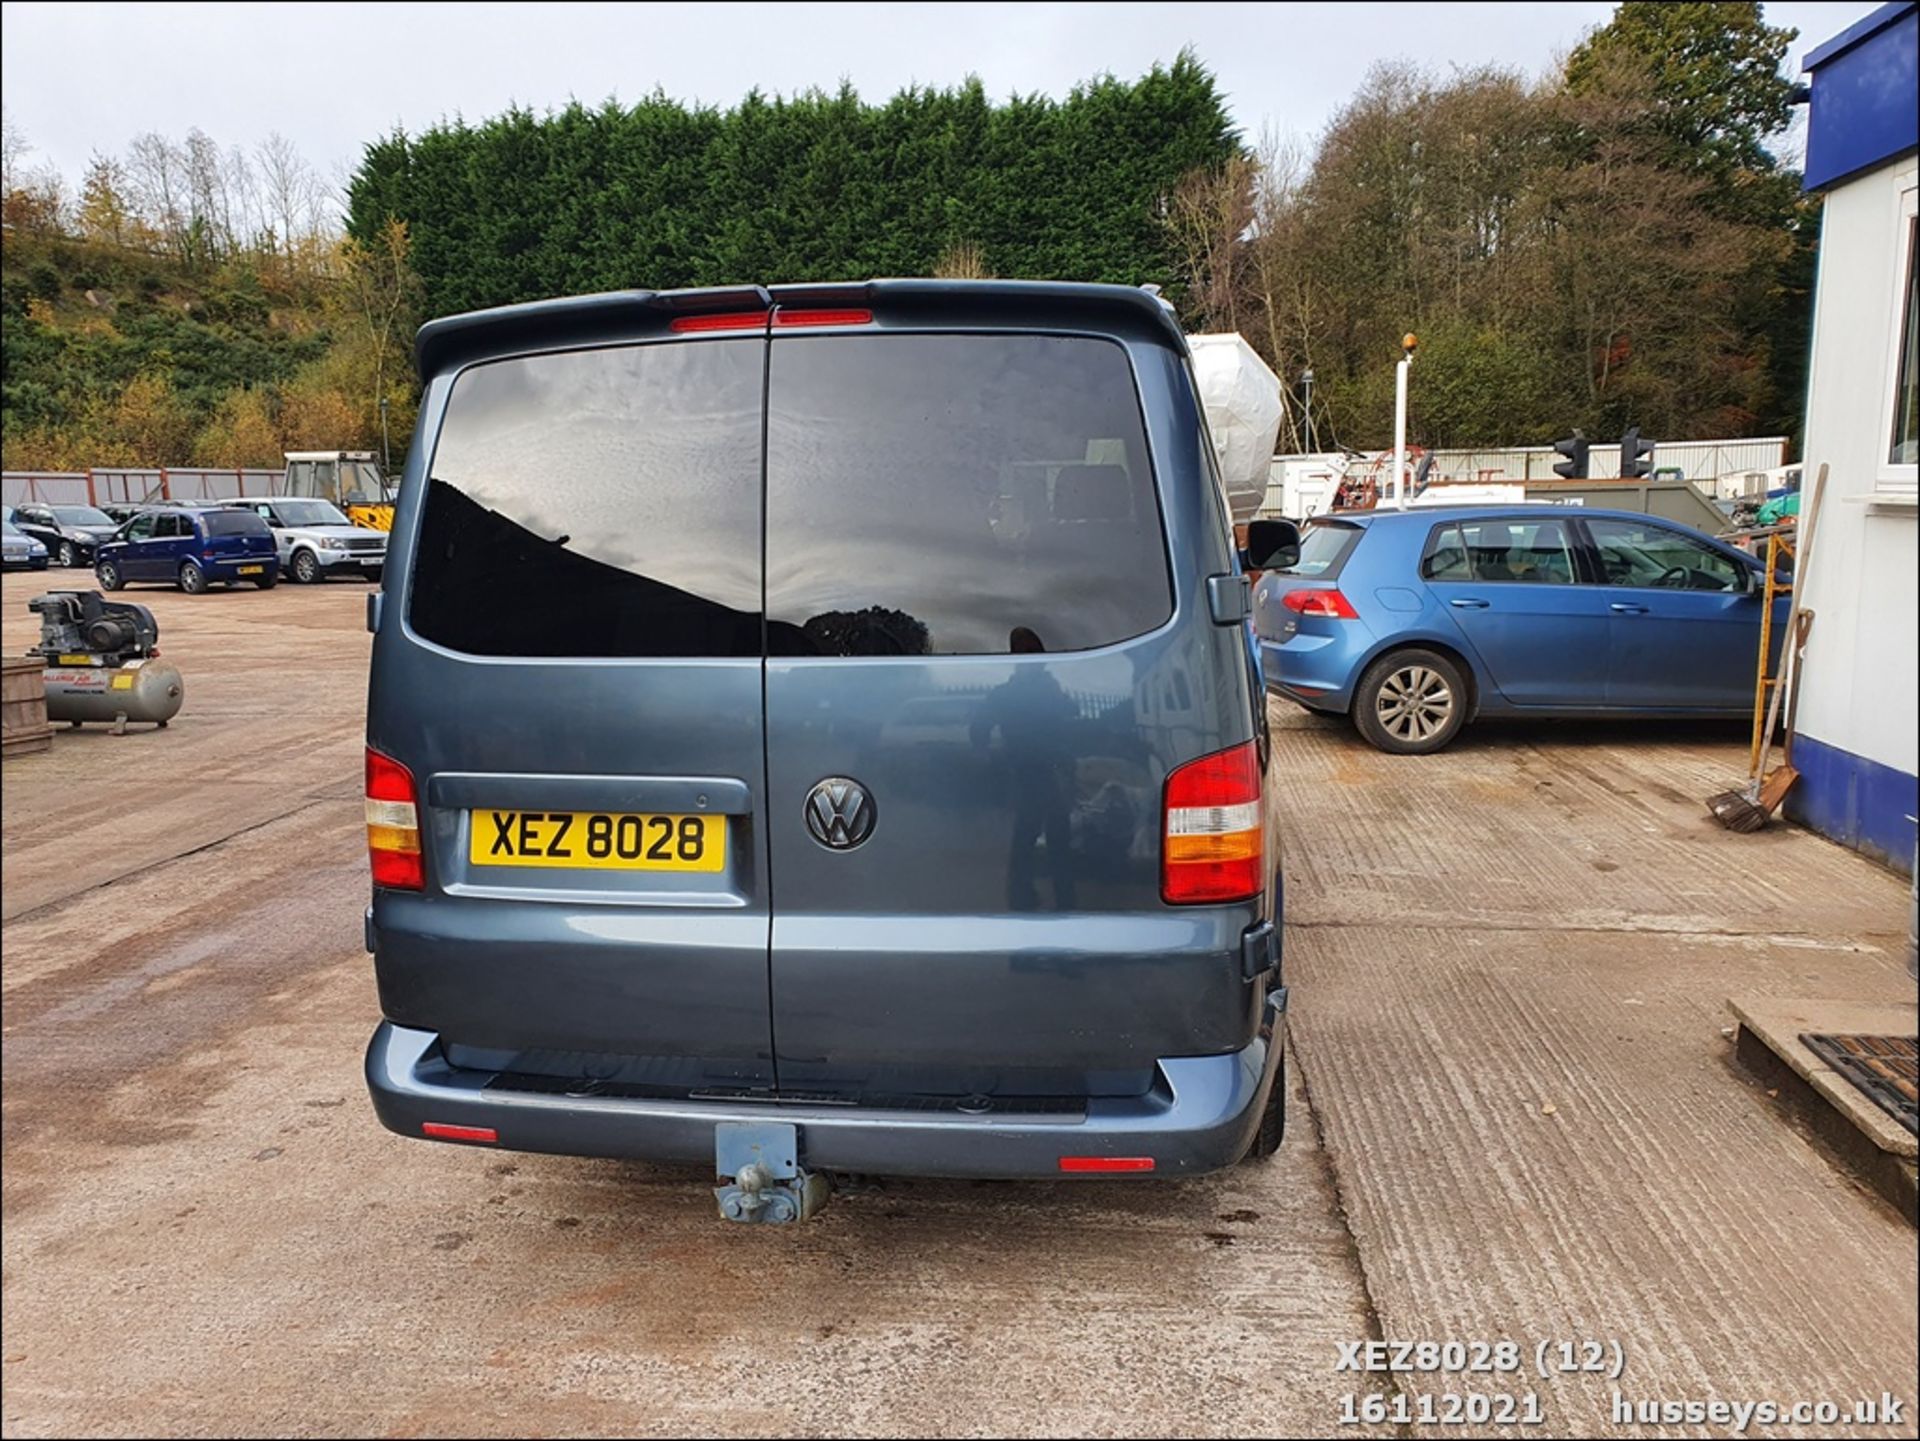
(577, 692)
(976, 686)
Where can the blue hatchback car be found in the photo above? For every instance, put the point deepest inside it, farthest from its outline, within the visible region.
(1414, 622)
(191, 547)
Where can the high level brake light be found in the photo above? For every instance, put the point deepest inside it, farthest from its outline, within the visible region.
(1215, 835)
(821, 317)
(725, 320)
(393, 825)
(1328, 602)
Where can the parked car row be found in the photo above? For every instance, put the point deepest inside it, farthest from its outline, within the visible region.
(195, 546)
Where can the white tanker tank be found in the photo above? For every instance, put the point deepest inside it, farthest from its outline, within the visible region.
(1242, 397)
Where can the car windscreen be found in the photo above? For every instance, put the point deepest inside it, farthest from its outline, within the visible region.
(233, 522)
(597, 503)
(958, 495)
(309, 512)
(1323, 548)
(81, 515)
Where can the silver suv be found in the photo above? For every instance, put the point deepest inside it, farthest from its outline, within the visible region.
(315, 539)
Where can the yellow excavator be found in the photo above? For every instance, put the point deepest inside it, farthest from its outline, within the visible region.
(348, 478)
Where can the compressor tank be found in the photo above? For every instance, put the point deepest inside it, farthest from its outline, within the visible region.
(140, 690)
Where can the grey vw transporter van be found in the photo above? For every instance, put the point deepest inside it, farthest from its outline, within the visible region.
(814, 729)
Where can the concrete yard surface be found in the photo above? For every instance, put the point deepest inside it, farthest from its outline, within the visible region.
(1515, 1117)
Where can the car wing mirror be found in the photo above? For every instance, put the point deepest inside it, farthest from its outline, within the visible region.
(1271, 545)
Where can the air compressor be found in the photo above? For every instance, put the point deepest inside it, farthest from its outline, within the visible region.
(103, 661)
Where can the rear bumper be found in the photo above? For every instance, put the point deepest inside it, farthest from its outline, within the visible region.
(1316, 671)
(1199, 1116)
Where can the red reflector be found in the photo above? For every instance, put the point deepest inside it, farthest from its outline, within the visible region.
(822, 317)
(1329, 603)
(1106, 1163)
(730, 320)
(442, 1132)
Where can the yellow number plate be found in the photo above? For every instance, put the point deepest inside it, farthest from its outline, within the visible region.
(251, 569)
(597, 841)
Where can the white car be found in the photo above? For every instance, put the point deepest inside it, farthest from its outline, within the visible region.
(316, 540)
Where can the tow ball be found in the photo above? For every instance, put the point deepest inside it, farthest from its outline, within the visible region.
(758, 1167)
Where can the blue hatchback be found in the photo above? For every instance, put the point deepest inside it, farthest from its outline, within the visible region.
(1414, 622)
(191, 547)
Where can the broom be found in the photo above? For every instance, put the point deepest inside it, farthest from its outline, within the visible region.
(1747, 809)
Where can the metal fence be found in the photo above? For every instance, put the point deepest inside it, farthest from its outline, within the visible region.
(133, 486)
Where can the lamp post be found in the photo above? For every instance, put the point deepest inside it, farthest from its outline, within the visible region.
(1306, 404)
(1407, 343)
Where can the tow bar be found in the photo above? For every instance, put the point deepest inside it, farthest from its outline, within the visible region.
(761, 1179)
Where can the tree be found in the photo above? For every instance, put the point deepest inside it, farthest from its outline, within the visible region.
(379, 277)
(105, 207)
(1712, 80)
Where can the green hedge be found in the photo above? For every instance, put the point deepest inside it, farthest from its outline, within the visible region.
(819, 187)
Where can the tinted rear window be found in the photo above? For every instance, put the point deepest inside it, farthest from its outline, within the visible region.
(598, 503)
(1323, 548)
(233, 522)
(958, 495)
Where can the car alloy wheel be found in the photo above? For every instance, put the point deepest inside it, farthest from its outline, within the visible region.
(193, 580)
(306, 569)
(1415, 703)
(108, 574)
(69, 557)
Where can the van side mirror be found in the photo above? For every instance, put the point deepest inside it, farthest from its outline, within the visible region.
(1271, 545)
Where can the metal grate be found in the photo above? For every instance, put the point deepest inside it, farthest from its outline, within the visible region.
(1886, 1068)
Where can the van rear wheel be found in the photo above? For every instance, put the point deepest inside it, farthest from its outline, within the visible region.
(193, 580)
(1273, 1119)
(1410, 702)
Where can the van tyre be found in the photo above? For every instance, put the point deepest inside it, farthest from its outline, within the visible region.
(193, 580)
(268, 580)
(1410, 702)
(306, 569)
(1273, 1119)
(108, 574)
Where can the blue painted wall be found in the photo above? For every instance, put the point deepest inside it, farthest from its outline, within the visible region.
(1865, 80)
(1858, 802)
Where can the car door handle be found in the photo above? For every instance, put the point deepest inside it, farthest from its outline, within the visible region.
(1626, 608)
(1465, 603)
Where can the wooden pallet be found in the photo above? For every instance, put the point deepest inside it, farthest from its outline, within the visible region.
(23, 706)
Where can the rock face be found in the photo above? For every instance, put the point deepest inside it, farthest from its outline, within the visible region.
(1243, 404)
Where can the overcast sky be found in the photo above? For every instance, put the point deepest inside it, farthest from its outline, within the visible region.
(80, 77)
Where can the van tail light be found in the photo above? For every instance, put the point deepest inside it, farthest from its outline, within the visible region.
(1215, 834)
(1329, 602)
(393, 825)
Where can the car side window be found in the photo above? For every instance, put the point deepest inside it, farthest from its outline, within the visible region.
(1519, 550)
(140, 527)
(166, 527)
(1648, 556)
(1446, 557)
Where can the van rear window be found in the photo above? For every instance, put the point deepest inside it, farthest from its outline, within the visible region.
(597, 503)
(958, 495)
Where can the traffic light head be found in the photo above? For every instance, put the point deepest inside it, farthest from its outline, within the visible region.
(1574, 448)
(1636, 455)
